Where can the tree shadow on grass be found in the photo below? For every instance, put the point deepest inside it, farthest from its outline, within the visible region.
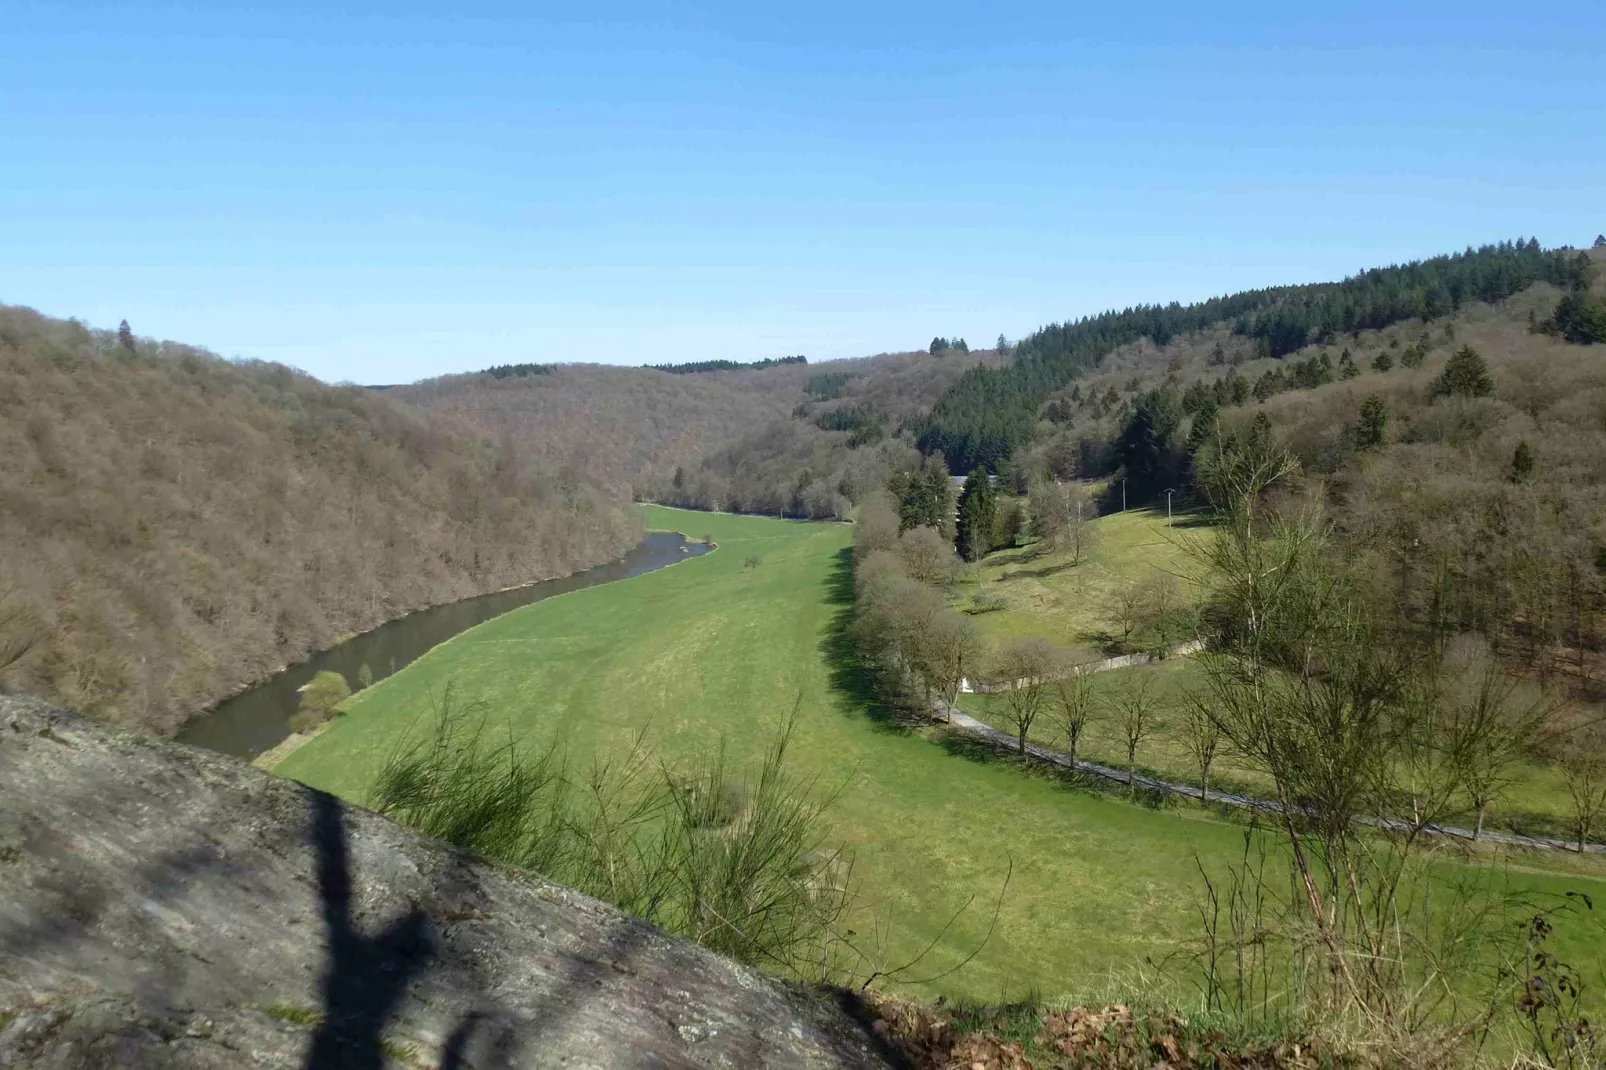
(852, 681)
(961, 744)
(1041, 572)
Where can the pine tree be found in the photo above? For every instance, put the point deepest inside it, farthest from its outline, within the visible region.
(1465, 376)
(1522, 463)
(1147, 445)
(1372, 429)
(1600, 241)
(125, 336)
(1382, 362)
(1346, 366)
(977, 514)
(1003, 344)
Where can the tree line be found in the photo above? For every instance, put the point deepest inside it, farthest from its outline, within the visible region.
(697, 366)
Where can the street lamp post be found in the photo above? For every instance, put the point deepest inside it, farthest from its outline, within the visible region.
(1169, 491)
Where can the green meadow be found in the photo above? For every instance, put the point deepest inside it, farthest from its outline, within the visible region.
(717, 647)
(1022, 592)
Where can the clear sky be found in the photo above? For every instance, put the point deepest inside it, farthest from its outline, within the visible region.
(381, 192)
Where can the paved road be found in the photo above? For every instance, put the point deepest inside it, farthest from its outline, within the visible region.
(968, 724)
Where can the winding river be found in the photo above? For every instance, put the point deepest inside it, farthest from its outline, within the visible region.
(256, 720)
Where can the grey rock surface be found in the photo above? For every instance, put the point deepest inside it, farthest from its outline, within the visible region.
(161, 906)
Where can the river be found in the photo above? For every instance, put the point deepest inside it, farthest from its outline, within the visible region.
(257, 720)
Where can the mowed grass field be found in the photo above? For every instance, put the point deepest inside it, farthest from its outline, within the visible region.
(711, 649)
(1044, 595)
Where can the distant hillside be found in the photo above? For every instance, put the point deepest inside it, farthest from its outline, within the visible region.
(619, 426)
(988, 414)
(174, 526)
(746, 438)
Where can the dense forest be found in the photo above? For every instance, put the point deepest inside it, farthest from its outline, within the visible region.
(990, 413)
(174, 526)
(1459, 459)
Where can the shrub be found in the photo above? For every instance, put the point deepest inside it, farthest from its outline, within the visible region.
(753, 561)
(325, 691)
(988, 602)
(737, 864)
(306, 721)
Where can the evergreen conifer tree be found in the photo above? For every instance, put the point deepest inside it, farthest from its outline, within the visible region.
(1465, 376)
(1372, 429)
(978, 508)
(1522, 463)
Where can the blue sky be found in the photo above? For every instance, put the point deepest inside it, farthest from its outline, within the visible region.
(381, 192)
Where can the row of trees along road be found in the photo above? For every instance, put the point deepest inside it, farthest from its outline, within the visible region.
(1346, 712)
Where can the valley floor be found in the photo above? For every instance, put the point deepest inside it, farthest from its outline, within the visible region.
(1099, 891)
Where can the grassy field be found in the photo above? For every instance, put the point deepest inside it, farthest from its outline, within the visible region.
(1045, 595)
(712, 648)
(1536, 803)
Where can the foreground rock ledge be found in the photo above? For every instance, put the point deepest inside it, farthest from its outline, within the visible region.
(161, 906)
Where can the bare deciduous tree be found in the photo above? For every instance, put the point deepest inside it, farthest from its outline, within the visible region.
(1135, 712)
(1493, 724)
(1073, 706)
(1202, 737)
(1123, 608)
(1050, 508)
(1583, 766)
(928, 555)
(1080, 534)
(1024, 667)
(952, 649)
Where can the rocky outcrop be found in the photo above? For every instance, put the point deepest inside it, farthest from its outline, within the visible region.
(163, 906)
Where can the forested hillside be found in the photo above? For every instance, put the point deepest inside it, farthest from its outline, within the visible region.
(1461, 460)
(174, 526)
(990, 413)
(774, 437)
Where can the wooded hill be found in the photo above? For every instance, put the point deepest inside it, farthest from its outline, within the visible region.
(1461, 460)
(174, 526)
(784, 438)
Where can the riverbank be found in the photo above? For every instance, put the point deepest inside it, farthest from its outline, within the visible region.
(258, 719)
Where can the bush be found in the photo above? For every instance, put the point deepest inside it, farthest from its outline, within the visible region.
(988, 602)
(326, 691)
(753, 561)
(737, 864)
(306, 721)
